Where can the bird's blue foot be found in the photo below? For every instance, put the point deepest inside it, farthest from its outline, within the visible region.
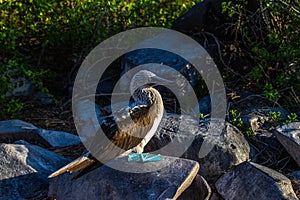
(144, 157)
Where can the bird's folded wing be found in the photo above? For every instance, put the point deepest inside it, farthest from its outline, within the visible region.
(123, 131)
(117, 130)
(124, 119)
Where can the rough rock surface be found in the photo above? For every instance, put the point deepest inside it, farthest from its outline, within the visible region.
(265, 142)
(207, 16)
(13, 130)
(260, 118)
(201, 16)
(295, 179)
(43, 97)
(24, 170)
(165, 183)
(84, 112)
(295, 176)
(204, 106)
(289, 136)
(251, 181)
(198, 190)
(23, 87)
(216, 196)
(215, 144)
(15, 126)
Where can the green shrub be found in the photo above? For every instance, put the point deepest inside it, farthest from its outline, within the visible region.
(236, 118)
(270, 37)
(40, 37)
(291, 118)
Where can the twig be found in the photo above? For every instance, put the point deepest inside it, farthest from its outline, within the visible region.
(40, 56)
(257, 95)
(295, 96)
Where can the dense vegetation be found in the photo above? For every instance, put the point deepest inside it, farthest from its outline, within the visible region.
(40, 38)
(271, 38)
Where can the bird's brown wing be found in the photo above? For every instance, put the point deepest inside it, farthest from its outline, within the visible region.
(124, 129)
(121, 135)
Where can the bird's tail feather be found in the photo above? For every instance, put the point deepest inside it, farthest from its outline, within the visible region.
(87, 169)
(75, 166)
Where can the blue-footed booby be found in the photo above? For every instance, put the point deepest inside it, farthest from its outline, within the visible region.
(130, 128)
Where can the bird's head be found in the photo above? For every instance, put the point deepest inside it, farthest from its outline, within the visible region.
(146, 79)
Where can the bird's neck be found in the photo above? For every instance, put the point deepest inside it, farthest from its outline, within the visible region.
(152, 98)
(156, 110)
(157, 103)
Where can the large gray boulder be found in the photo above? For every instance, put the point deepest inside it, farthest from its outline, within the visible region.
(13, 130)
(24, 170)
(250, 181)
(108, 183)
(289, 136)
(215, 144)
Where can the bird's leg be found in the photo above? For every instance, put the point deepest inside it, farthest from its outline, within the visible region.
(143, 157)
(140, 149)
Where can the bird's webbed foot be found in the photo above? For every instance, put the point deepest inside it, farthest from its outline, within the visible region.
(144, 157)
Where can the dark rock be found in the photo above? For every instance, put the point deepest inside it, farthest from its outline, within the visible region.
(204, 16)
(215, 144)
(204, 106)
(295, 176)
(260, 122)
(207, 16)
(289, 136)
(84, 112)
(13, 130)
(106, 86)
(24, 170)
(166, 183)
(295, 179)
(216, 196)
(198, 190)
(43, 97)
(22, 87)
(266, 144)
(252, 181)
(15, 126)
(59, 138)
(260, 118)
